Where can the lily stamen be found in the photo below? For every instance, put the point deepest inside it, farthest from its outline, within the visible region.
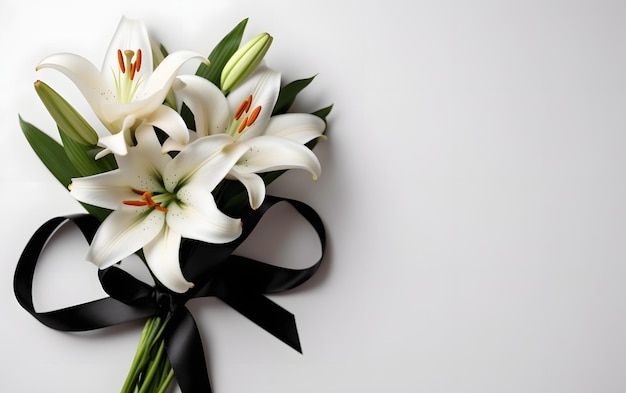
(243, 125)
(254, 115)
(138, 61)
(243, 107)
(135, 203)
(132, 71)
(146, 200)
(124, 60)
(120, 61)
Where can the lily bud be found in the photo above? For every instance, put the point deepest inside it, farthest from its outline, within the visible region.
(66, 117)
(244, 61)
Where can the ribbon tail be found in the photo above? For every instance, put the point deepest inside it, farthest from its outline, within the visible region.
(268, 315)
(184, 349)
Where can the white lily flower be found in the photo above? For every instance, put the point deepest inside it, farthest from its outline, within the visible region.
(157, 200)
(245, 116)
(127, 91)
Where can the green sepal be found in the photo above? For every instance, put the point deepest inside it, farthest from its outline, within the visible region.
(66, 117)
(83, 157)
(288, 93)
(222, 52)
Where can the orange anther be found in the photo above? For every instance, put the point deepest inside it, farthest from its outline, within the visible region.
(135, 203)
(243, 125)
(133, 68)
(248, 103)
(120, 61)
(147, 200)
(161, 208)
(243, 107)
(138, 61)
(254, 115)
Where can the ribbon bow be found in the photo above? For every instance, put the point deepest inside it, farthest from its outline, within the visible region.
(238, 281)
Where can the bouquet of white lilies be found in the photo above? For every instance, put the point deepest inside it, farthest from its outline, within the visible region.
(175, 157)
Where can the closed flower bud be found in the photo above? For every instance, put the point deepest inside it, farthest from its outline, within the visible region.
(66, 117)
(244, 61)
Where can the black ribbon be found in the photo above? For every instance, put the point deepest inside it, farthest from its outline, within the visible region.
(238, 281)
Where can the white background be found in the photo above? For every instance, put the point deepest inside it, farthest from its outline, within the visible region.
(473, 189)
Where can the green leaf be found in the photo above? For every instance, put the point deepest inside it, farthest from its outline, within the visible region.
(288, 94)
(269, 177)
(323, 113)
(51, 154)
(66, 117)
(83, 157)
(222, 53)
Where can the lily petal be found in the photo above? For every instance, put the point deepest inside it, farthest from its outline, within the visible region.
(161, 80)
(144, 164)
(118, 143)
(207, 160)
(271, 153)
(162, 259)
(85, 76)
(115, 143)
(106, 189)
(207, 103)
(124, 231)
(131, 34)
(299, 127)
(200, 219)
(170, 122)
(255, 186)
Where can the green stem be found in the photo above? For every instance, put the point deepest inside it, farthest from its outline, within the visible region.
(150, 371)
(166, 381)
(134, 368)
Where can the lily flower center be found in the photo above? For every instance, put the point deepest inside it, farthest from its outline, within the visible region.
(125, 82)
(146, 200)
(243, 117)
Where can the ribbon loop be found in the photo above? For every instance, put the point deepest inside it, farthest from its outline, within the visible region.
(240, 282)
